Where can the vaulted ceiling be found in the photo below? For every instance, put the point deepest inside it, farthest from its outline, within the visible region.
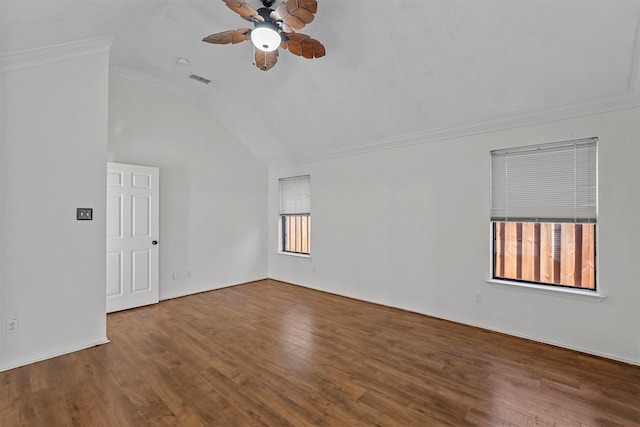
(396, 72)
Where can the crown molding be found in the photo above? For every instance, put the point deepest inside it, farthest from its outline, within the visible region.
(612, 102)
(15, 61)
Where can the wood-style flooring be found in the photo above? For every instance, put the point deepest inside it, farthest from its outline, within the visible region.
(272, 354)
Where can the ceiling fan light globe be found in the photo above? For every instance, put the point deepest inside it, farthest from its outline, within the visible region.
(265, 38)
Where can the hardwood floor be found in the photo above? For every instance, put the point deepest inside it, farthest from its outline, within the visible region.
(269, 353)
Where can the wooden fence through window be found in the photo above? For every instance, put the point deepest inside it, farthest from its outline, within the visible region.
(553, 253)
(296, 233)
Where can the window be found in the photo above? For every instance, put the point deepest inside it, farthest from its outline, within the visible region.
(543, 213)
(295, 215)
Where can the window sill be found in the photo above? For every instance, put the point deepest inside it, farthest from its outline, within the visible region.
(294, 254)
(549, 290)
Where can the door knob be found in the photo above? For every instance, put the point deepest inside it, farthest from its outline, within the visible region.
(155, 242)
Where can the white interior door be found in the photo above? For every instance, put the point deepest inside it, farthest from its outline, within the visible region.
(132, 236)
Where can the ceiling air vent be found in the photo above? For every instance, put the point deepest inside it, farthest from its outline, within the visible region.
(199, 79)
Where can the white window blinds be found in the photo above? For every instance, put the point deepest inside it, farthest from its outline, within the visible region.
(295, 195)
(545, 183)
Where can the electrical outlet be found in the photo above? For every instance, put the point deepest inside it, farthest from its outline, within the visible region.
(84, 214)
(478, 296)
(176, 276)
(12, 326)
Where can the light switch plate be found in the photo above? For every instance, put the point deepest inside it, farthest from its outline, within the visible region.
(84, 214)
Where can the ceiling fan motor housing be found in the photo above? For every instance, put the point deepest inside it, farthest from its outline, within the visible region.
(265, 12)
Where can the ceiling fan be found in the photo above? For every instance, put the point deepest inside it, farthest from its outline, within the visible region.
(273, 28)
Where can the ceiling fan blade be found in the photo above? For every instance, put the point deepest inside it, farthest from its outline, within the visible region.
(230, 36)
(303, 45)
(266, 60)
(296, 13)
(243, 9)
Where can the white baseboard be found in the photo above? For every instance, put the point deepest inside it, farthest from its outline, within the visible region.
(46, 356)
(585, 351)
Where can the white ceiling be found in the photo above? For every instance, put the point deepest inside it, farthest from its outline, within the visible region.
(396, 72)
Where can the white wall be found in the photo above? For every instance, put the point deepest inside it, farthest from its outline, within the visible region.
(53, 147)
(213, 191)
(399, 227)
(409, 227)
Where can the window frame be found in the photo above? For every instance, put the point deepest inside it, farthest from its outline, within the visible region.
(302, 208)
(538, 286)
